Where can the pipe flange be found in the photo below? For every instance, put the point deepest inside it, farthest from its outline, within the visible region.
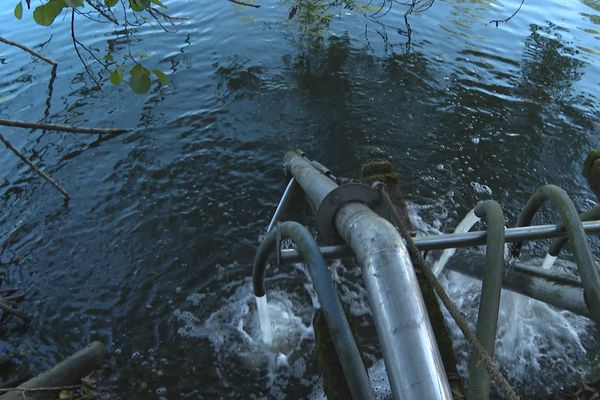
(336, 199)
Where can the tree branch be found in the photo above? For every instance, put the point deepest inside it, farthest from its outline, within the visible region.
(241, 3)
(77, 49)
(28, 50)
(47, 178)
(102, 12)
(497, 21)
(61, 128)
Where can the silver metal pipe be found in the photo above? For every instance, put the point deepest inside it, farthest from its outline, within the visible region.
(283, 202)
(557, 290)
(411, 356)
(444, 241)
(438, 242)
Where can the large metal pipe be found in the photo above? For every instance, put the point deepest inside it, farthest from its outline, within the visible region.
(411, 356)
(345, 346)
(557, 290)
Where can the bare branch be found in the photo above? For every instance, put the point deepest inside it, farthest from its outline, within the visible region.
(102, 12)
(47, 178)
(245, 4)
(75, 41)
(28, 50)
(61, 128)
(497, 21)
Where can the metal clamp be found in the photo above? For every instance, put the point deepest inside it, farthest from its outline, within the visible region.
(336, 199)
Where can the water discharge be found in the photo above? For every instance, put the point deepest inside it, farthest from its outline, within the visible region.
(264, 319)
(548, 261)
(464, 226)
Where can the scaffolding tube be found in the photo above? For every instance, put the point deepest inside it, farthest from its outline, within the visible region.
(590, 276)
(558, 244)
(345, 346)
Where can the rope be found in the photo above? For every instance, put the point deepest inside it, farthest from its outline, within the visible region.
(484, 356)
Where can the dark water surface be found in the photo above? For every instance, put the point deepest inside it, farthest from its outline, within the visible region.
(153, 253)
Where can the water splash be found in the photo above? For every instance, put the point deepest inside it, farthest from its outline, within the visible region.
(264, 320)
(538, 347)
(464, 226)
(548, 261)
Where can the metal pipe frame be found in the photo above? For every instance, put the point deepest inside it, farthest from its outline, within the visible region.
(285, 199)
(343, 340)
(590, 275)
(489, 304)
(444, 241)
(411, 356)
(559, 243)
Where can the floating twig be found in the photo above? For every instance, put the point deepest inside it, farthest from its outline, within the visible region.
(61, 128)
(37, 170)
(11, 310)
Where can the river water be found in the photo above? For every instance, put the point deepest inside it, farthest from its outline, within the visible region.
(153, 253)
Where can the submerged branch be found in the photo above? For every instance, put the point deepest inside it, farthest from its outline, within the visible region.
(28, 50)
(39, 172)
(245, 4)
(11, 310)
(61, 128)
(497, 21)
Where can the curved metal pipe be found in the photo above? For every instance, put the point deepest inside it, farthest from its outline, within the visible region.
(558, 244)
(590, 276)
(412, 359)
(487, 320)
(345, 346)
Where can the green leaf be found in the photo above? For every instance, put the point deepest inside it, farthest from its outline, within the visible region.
(19, 10)
(65, 395)
(162, 77)
(74, 3)
(139, 5)
(108, 58)
(159, 3)
(110, 3)
(140, 79)
(47, 13)
(116, 76)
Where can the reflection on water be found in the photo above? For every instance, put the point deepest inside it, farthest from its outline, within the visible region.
(173, 210)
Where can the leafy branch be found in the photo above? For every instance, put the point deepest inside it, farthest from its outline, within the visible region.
(103, 11)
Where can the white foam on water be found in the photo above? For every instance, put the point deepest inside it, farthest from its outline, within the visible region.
(377, 376)
(464, 226)
(235, 335)
(538, 347)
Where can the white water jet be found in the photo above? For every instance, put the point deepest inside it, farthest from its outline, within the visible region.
(548, 261)
(264, 319)
(464, 226)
